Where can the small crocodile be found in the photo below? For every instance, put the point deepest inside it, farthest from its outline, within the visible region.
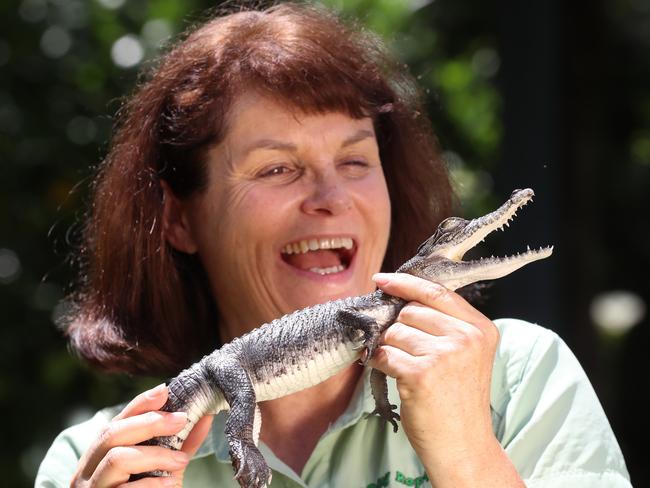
(308, 346)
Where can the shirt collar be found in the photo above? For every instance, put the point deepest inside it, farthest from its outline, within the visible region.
(361, 403)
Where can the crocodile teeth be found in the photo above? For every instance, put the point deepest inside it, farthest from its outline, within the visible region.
(529, 253)
(303, 246)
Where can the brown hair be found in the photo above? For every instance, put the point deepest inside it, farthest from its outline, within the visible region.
(143, 307)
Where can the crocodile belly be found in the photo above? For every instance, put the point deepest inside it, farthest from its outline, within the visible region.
(303, 373)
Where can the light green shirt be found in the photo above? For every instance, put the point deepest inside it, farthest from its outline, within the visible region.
(544, 412)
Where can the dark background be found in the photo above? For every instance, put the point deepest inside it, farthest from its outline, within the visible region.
(548, 94)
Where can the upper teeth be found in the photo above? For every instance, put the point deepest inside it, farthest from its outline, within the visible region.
(315, 244)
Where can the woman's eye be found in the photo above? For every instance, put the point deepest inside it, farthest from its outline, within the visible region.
(355, 166)
(356, 162)
(274, 171)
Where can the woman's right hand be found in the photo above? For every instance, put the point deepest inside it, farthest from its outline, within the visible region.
(115, 454)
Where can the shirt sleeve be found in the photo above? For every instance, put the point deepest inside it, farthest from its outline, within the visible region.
(60, 462)
(549, 419)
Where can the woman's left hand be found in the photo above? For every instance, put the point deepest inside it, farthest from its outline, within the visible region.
(440, 351)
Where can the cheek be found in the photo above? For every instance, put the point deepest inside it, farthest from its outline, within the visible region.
(375, 199)
(384, 202)
(247, 214)
(260, 207)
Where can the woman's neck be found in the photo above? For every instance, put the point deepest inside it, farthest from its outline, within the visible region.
(292, 425)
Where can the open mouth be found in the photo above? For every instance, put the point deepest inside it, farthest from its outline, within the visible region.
(453, 272)
(322, 256)
(478, 229)
(497, 220)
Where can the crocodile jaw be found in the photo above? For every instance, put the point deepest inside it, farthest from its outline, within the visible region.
(455, 274)
(439, 259)
(478, 229)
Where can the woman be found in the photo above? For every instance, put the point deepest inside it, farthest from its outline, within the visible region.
(272, 161)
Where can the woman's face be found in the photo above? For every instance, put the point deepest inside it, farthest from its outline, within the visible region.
(296, 212)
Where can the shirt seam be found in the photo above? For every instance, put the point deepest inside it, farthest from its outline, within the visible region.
(526, 365)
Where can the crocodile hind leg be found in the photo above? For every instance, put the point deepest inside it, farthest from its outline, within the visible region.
(383, 407)
(189, 392)
(242, 425)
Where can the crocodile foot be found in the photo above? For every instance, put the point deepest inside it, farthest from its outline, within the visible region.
(388, 414)
(383, 407)
(251, 470)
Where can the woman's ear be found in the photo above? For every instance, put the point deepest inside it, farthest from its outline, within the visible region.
(176, 225)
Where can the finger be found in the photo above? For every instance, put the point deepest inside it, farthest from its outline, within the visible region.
(133, 430)
(432, 321)
(146, 401)
(409, 339)
(197, 436)
(130, 431)
(412, 288)
(123, 461)
(393, 361)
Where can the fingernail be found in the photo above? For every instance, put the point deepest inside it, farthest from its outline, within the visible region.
(178, 417)
(381, 278)
(155, 392)
(180, 458)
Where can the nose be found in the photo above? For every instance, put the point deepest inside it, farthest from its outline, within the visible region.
(328, 196)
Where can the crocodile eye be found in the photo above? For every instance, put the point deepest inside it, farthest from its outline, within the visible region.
(448, 224)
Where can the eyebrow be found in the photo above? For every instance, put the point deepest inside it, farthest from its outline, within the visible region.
(274, 144)
(358, 136)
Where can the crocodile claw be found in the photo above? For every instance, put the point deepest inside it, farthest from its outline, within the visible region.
(370, 350)
(388, 414)
(364, 330)
(251, 470)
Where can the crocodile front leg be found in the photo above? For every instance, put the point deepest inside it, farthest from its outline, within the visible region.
(383, 407)
(250, 467)
(370, 330)
(370, 333)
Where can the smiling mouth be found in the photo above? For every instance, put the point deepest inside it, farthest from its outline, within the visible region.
(322, 256)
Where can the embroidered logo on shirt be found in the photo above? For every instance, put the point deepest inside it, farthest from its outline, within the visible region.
(399, 478)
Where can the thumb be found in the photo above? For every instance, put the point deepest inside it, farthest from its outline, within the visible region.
(192, 444)
(197, 436)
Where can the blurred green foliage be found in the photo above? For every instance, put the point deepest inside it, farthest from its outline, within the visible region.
(63, 79)
(457, 74)
(65, 67)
